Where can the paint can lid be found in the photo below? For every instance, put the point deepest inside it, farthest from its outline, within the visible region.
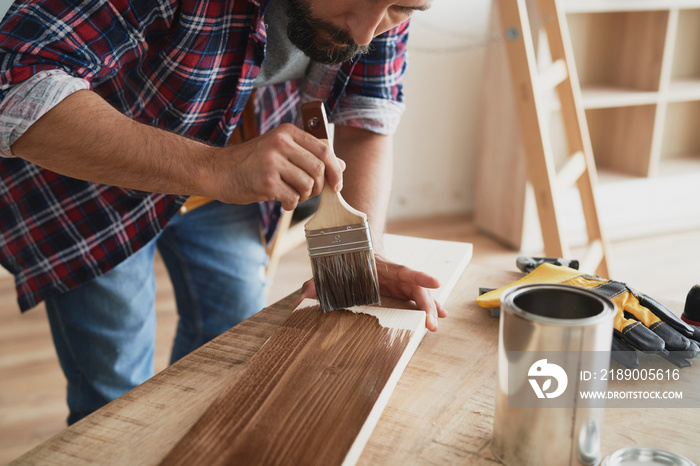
(645, 456)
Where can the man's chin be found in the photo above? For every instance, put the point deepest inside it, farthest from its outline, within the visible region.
(330, 57)
(335, 54)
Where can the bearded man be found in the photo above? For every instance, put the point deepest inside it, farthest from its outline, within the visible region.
(120, 134)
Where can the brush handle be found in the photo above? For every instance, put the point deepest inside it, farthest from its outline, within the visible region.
(333, 211)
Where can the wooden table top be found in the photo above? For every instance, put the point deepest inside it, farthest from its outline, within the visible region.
(441, 411)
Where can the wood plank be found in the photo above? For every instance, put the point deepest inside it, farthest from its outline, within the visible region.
(142, 426)
(684, 89)
(612, 96)
(346, 363)
(444, 260)
(311, 395)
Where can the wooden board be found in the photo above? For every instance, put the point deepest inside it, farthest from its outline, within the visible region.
(316, 389)
(311, 395)
(444, 260)
(144, 425)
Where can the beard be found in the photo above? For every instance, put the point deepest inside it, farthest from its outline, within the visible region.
(319, 39)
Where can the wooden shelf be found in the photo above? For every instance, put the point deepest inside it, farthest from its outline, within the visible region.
(638, 63)
(682, 90)
(609, 97)
(639, 66)
(637, 206)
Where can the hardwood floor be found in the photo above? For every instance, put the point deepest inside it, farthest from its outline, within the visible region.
(32, 392)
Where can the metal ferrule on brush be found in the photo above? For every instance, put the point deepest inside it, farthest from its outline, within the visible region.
(339, 240)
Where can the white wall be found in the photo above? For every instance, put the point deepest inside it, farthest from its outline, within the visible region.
(438, 139)
(437, 142)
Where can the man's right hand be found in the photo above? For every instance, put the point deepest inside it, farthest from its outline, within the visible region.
(286, 164)
(86, 138)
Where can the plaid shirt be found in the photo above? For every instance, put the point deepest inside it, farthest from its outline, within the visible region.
(186, 66)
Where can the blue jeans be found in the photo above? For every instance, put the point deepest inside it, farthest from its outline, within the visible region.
(104, 331)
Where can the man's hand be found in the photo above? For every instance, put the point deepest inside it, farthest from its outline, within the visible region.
(286, 164)
(402, 283)
(86, 138)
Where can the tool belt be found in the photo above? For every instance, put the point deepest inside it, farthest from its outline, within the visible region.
(246, 130)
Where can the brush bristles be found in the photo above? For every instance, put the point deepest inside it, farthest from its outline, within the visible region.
(346, 280)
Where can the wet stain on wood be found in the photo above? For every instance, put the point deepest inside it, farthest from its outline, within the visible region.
(304, 397)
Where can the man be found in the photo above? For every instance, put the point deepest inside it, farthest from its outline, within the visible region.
(113, 112)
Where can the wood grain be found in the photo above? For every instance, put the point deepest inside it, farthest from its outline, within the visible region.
(306, 395)
(141, 427)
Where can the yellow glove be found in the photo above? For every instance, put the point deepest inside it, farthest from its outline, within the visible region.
(641, 321)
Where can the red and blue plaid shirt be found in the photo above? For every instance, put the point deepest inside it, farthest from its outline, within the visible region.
(186, 66)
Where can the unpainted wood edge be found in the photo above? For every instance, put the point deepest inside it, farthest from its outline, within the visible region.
(363, 436)
(385, 316)
(449, 285)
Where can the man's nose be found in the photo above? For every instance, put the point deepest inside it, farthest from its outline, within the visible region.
(366, 25)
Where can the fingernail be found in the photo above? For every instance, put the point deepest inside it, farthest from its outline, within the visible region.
(339, 186)
(432, 322)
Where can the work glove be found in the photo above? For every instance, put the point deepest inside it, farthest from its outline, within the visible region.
(641, 322)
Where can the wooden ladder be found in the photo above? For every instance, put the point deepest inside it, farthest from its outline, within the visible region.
(531, 86)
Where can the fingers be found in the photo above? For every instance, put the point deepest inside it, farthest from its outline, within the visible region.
(399, 281)
(401, 273)
(308, 291)
(425, 302)
(323, 152)
(402, 283)
(432, 308)
(286, 164)
(305, 166)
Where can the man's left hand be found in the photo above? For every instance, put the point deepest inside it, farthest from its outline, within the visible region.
(399, 282)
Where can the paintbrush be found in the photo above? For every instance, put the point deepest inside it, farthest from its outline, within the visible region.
(338, 239)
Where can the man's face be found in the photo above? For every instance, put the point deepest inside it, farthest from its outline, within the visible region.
(334, 31)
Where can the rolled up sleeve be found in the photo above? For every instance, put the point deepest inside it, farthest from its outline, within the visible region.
(25, 103)
(374, 96)
(48, 50)
(371, 113)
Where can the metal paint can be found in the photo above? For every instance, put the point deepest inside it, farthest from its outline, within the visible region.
(539, 318)
(645, 456)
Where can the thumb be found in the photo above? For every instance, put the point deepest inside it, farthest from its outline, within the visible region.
(308, 291)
